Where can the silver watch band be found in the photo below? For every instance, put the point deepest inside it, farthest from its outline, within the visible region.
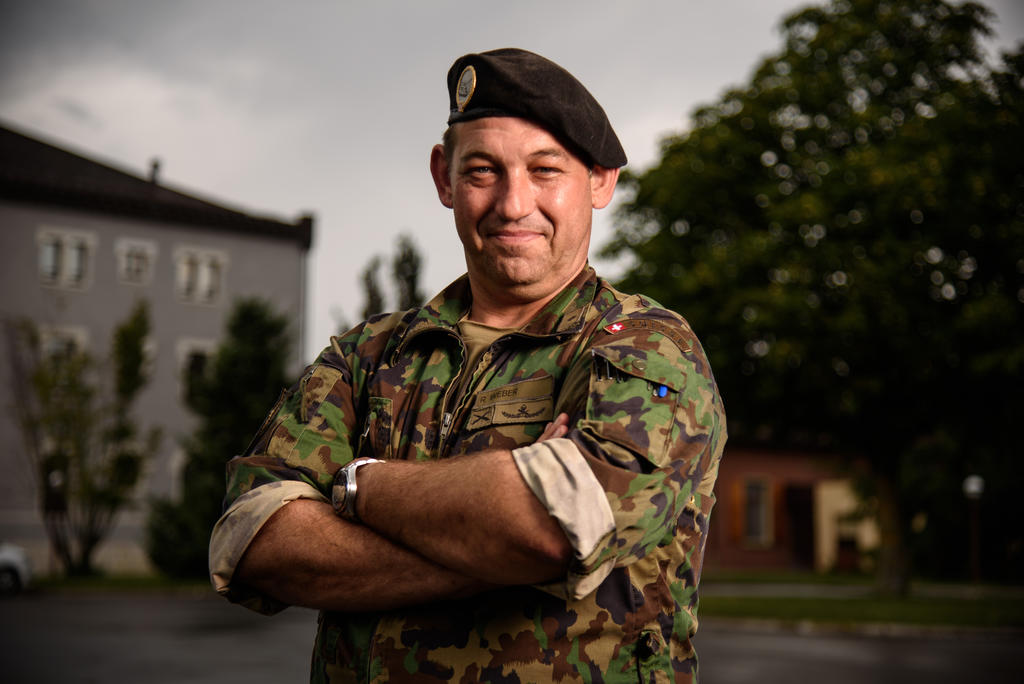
(346, 508)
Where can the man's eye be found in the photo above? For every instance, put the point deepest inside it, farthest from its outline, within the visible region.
(546, 170)
(480, 170)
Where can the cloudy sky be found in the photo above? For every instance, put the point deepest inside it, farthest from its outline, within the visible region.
(331, 106)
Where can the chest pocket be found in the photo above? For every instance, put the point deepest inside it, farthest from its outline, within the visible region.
(525, 401)
(375, 439)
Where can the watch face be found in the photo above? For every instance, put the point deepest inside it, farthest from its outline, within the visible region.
(339, 491)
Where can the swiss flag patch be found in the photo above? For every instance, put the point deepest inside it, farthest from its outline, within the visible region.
(677, 333)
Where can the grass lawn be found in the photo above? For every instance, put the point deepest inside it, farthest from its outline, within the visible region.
(929, 604)
(988, 612)
(985, 611)
(784, 577)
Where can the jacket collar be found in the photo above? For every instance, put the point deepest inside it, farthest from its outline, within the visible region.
(563, 315)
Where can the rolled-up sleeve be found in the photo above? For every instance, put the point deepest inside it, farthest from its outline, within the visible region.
(302, 444)
(558, 475)
(650, 432)
(238, 527)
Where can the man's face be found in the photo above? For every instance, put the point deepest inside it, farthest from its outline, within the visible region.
(522, 205)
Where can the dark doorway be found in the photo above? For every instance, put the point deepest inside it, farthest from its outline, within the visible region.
(800, 525)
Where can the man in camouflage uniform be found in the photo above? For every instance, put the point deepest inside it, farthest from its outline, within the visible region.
(513, 482)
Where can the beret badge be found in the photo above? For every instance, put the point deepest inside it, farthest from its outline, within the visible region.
(467, 84)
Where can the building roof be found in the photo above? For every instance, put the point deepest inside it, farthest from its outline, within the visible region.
(36, 172)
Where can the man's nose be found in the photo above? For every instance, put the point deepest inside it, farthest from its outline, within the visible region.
(517, 198)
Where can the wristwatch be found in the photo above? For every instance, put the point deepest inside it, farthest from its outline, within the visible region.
(343, 492)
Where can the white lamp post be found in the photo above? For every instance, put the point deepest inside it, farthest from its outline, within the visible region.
(974, 487)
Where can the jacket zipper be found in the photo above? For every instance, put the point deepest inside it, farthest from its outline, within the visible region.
(448, 416)
(446, 426)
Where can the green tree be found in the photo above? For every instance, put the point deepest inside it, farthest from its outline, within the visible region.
(405, 272)
(405, 269)
(371, 286)
(846, 234)
(231, 397)
(85, 446)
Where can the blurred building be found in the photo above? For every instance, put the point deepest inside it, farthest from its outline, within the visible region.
(82, 242)
(786, 510)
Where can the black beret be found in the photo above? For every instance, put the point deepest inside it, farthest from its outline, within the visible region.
(513, 82)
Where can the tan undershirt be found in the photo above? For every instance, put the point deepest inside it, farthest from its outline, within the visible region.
(477, 338)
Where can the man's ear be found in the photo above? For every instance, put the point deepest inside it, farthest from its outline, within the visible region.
(602, 185)
(442, 178)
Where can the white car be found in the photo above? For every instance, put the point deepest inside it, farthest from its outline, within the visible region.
(15, 569)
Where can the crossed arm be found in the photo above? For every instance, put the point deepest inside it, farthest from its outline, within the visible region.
(429, 530)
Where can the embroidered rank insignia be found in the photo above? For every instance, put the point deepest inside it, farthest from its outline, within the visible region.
(467, 84)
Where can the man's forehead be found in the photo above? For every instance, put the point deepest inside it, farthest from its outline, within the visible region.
(508, 129)
(507, 136)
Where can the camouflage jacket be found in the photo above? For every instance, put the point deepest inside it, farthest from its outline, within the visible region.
(644, 413)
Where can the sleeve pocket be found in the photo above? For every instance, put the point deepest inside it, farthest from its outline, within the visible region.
(632, 401)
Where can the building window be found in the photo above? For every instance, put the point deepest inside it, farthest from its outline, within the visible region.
(49, 258)
(195, 365)
(62, 341)
(65, 257)
(757, 522)
(188, 276)
(200, 274)
(136, 260)
(194, 357)
(209, 286)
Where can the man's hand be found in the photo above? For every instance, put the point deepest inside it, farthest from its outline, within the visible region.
(473, 514)
(559, 427)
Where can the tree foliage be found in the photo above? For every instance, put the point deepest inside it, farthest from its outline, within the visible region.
(846, 234)
(405, 271)
(84, 445)
(371, 286)
(230, 397)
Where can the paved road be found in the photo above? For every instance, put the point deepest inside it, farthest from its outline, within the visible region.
(155, 639)
(199, 639)
(732, 653)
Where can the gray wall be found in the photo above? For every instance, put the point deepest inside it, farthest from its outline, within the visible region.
(271, 268)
